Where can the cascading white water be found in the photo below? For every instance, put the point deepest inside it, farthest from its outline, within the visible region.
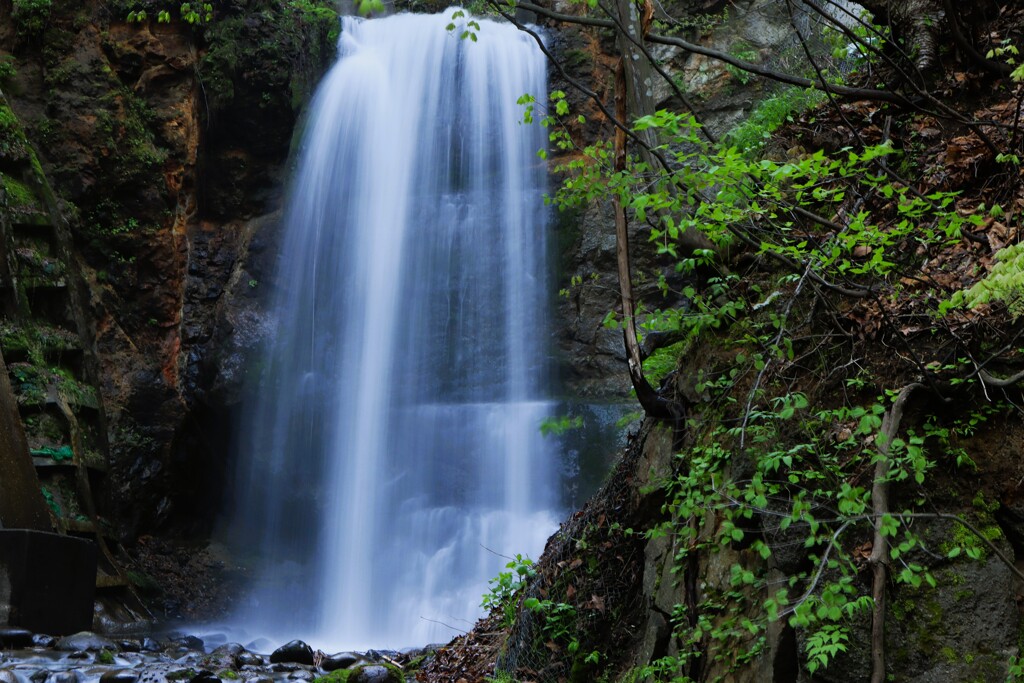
(394, 448)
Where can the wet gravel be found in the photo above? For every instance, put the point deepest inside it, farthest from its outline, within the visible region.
(27, 657)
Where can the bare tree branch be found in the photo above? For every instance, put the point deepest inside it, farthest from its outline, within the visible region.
(880, 545)
(842, 90)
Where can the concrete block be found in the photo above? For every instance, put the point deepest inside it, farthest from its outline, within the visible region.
(47, 581)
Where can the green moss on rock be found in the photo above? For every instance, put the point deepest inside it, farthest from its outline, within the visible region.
(13, 145)
(19, 196)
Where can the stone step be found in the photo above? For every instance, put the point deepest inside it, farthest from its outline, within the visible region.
(44, 463)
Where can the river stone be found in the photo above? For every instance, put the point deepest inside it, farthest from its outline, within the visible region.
(129, 645)
(120, 676)
(223, 657)
(228, 649)
(374, 674)
(40, 676)
(205, 676)
(86, 640)
(43, 640)
(386, 655)
(295, 651)
(79, 654)
(71, 676)
(8, 676)
(15, 637)
(339, 660)
(301, 675)
(191, 642)
(246, 658)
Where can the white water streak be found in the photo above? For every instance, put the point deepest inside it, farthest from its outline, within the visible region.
(396, 438)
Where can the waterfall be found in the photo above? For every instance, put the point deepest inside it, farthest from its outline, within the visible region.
(394, 450)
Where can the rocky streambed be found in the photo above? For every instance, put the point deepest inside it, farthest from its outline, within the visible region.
(27, 657)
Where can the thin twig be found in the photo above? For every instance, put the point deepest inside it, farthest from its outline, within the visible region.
(764, 368)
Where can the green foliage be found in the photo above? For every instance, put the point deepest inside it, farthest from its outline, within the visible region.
(502, 677)
(506, 587)
(192, 13)
(13, 144)
(746, 53)
(467, 29)
(18, 195)
(345, 675)
(105, 657)
(824, 645)
(771, 466)
(268, 58)
(663, 361)
(718, 191)
(31, 16)
(557, 426)
(1015, 674)
(769, 114)
(1003, 284)
(315, 11)
(557, 619)
(126, 125)
(8, 72)
(558, 625)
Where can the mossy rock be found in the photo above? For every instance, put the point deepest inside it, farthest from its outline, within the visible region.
(365, 673)
(18, 195)
(13, 145)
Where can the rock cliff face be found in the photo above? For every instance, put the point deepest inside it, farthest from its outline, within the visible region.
(165, 146)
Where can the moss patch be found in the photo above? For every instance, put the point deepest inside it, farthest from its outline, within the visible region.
(19, 196)
(13, 145)
(344, 675)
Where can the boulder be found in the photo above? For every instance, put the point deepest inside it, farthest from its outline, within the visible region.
(339, 660)
(50, 581)
(246, 658)
(375, 674)
(150, 645)
(205, 677)
(44, 640)
(12, 638)
(228, 649)
(120, 676)
(87, 641)
(191, 642)
(296, 651)
(129, 645)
